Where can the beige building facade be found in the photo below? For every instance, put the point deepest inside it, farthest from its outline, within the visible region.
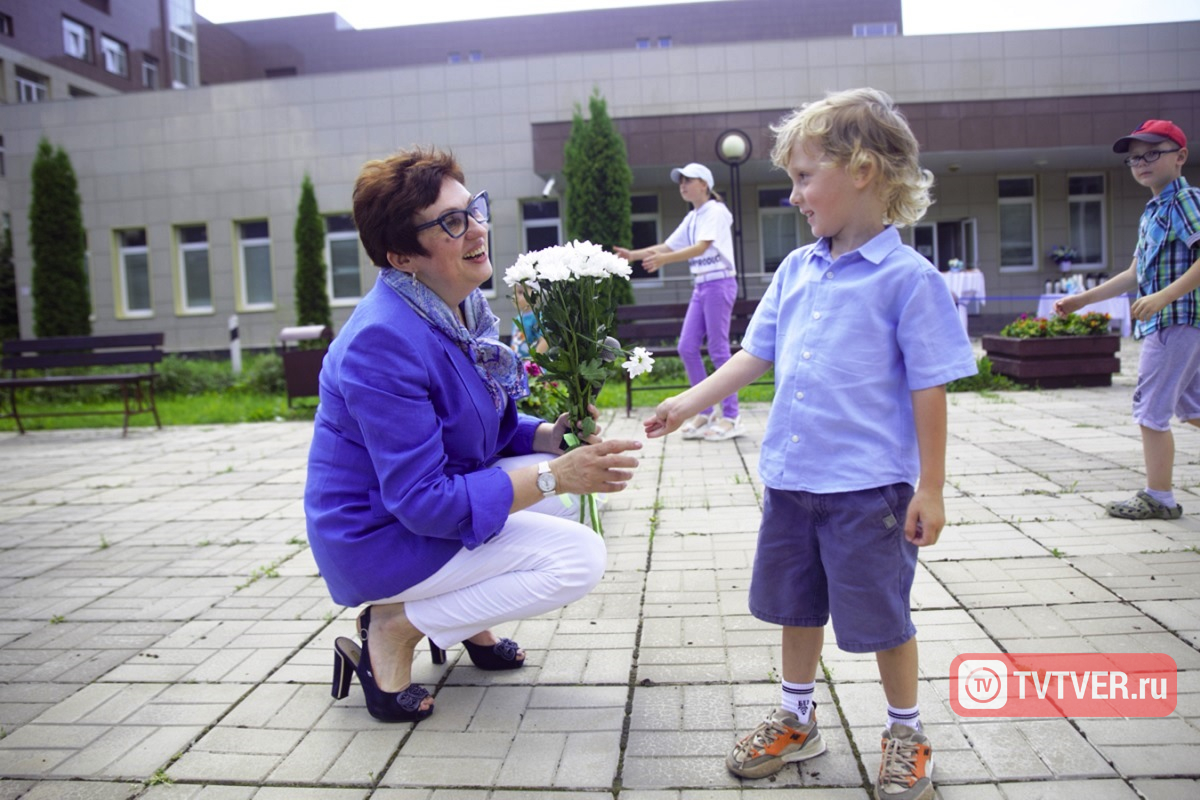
(190, 196)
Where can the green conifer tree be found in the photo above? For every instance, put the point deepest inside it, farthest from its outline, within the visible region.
(62, 304)
(312, 296)
(598, 183)
(10, 327)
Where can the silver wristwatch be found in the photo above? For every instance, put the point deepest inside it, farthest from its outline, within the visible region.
(546, 482)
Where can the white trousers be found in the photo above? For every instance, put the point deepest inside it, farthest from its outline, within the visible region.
(542, 559)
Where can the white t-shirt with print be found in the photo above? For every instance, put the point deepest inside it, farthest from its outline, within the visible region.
(711, 222)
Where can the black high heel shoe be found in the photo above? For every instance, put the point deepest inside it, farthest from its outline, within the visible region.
(499, 656)
(402, 706)
(364, 623)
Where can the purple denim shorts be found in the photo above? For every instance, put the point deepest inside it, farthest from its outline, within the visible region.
(842, 555)
(1168, 378)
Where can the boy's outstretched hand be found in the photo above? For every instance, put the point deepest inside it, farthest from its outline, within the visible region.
(668, 416)
(925, 519)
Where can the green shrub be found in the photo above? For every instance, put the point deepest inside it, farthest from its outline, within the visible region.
(264, 375)
(984, 381)
(191, 376)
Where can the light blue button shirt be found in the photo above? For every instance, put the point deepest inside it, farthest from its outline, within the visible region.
(850, 340)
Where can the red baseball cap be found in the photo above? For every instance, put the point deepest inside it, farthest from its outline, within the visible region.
(1152, 131)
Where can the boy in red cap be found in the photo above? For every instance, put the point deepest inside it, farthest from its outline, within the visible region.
(1166, 274)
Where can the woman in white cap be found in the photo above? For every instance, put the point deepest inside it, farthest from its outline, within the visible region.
(703, 240)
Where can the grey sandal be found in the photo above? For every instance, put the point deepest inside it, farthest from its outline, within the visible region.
(1143, 506)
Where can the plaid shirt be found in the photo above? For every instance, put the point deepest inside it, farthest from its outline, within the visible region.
(1168, 244)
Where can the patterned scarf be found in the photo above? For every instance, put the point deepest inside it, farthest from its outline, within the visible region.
(495, 362)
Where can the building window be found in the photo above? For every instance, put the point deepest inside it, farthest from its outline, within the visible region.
(281, 72)
(116, 56)
(99, 5)
(341, 254)
(149, 72)
(133, 273)
(6, 25)
(664, 41)
(540, 224)
(1085, 197)
(778, 227)
(195, 278)
(183, 61)
(454, 58)
(75, 91)
(77, 39)
(254, 274)
(875, 29)
(642, 43)
(645, 218)
(182, 43)
(1018, 224)
(31, 87)
(475, 55)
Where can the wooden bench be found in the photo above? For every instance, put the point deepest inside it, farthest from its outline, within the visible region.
(656, 327)
(54, 354)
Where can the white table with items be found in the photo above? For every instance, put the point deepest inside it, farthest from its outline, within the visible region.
(1116, 307)
(969, 291)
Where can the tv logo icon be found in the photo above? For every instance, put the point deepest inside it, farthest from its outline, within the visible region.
(982, 683)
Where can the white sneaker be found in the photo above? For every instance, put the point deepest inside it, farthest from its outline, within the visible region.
(696, 427)
(722, 429)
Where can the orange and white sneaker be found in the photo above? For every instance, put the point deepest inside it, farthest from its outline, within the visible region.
(779, 739)
(906, 771)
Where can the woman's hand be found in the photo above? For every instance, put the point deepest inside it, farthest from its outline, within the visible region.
(549, 437)
(600, 467)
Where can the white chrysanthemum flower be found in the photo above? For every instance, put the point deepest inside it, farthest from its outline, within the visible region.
(523, 271)
(553, 264)
(640, 361)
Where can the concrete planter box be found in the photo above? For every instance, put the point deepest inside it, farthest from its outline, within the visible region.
(1055, 362)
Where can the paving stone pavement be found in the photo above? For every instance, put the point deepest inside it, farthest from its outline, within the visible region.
(164, 633)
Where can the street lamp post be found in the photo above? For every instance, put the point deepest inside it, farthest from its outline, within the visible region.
(733, 148)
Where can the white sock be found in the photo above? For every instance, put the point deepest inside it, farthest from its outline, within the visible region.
(1167, 498)
(798, 699)
(905, 716)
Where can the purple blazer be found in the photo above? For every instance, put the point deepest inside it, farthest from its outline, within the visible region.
(400, 472)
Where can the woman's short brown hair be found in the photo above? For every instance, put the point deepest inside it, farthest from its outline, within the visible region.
(390, 192)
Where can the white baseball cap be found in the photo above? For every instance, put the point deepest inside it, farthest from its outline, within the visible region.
(693, 170)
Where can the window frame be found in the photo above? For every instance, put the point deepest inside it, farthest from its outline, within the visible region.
(555, 222)
(1081, 199)
(341, 236)
(761, 270)
(120, 252)
(114, 48)
(78, 40)
(654, 279)
(150, 67)
(1031, 202)
(243, 293)
(33, 84)
(182, 248)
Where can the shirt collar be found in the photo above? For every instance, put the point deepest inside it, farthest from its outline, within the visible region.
(874, 251)
(1168, 193)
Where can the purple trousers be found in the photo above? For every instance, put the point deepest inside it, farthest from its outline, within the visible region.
(707, 317)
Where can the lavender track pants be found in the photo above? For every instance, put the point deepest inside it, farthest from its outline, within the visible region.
(708, 317)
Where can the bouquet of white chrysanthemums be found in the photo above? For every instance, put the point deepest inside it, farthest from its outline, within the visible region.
(571, 290)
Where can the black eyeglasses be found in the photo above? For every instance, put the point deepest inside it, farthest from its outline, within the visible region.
(1149, 157)
(455, 223)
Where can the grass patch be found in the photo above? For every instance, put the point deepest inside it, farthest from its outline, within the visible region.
(196, 391)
